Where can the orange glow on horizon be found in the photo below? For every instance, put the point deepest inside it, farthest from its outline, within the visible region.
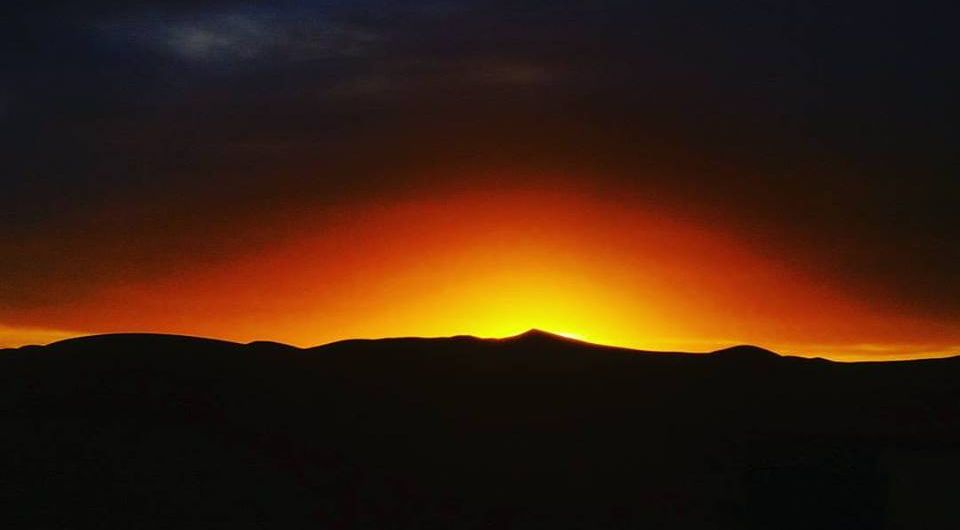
(497, 264)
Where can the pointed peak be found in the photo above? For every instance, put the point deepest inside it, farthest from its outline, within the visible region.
(540, 335)
(534, 332)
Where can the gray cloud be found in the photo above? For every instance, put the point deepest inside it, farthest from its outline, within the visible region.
(244, 37)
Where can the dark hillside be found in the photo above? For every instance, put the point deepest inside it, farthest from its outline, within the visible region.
(536, 431)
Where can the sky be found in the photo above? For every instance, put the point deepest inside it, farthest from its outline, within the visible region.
(655, 174)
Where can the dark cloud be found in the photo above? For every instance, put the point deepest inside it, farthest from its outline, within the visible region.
(139, 131)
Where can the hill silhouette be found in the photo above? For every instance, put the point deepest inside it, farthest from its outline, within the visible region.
(746, 352)
(533, 431)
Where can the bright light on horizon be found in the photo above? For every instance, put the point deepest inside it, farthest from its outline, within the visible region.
(496, 265)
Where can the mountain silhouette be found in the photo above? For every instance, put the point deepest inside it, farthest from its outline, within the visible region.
(532, 431)
(536, 335)
(745, 353)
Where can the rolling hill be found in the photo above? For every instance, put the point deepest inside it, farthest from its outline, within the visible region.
(534, 431)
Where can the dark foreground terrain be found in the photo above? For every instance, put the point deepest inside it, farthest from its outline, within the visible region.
(134, 431)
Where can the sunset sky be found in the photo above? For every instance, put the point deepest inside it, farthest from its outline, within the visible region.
(658, 174)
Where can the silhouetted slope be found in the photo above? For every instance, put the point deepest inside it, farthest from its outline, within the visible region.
(745, 353)
(535, 431)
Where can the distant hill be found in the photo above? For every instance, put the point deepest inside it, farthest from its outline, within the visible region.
(534, 431)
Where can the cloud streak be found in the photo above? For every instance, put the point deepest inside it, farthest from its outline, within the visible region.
(246, 37)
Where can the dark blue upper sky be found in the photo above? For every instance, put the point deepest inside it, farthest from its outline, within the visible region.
(826, 131)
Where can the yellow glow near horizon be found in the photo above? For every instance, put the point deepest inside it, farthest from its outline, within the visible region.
(12, 336)
(496, 265)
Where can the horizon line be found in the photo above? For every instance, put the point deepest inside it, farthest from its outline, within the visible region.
(567, 338)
